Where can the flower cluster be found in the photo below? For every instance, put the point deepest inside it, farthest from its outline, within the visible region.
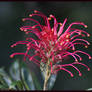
(53, 45)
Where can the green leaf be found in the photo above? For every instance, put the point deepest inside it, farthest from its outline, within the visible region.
(4, 78)
(14, 70)
(36, 82)
(3, 87)
(30, 79)
(2, 72)
(17, 84)
(89, 89)
(52, 81)
(20, 71)
(27, 79)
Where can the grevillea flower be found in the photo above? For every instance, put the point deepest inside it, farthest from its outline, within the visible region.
(53, 45)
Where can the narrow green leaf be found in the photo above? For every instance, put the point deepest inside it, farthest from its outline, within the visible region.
(52, 81)
(90, 89)
(26, 85)
(14, 70)
(4, 78)
(3, 87)
(24, 75)
(36, 82)
(17, 84)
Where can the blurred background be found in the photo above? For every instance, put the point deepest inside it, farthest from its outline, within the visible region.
(11, 14)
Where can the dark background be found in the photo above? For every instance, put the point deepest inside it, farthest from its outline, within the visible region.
(11, 14)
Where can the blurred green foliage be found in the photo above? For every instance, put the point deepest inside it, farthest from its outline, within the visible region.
(19, 77)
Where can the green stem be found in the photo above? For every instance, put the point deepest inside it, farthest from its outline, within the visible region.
(47, 76)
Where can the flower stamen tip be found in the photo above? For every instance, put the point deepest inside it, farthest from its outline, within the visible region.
(12, 46)
(11, 56)
(21, 29)
(52, 29)
(29, 59)
(76, 60)
(35, 11)
(49, 18)
(72, 75)
(86, 46)
(67, 36)
(25, 30)
(80, 33)
(67, 40)
(33, 26)
(86, 26)
(60, 24)
(51, 15)
(88, 69)
(80, 74)
(23, 19)
(61, 43)
(88, 35)
(30, 15)
(88, 43)
(73, 48)
(80, 59)
(27, 44)
(90, 57)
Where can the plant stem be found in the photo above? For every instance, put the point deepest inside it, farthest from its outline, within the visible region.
(48, 74)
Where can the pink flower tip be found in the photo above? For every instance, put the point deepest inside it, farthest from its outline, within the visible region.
(30, 59)
(80, 59)
(60, 24)
(88, 35)
(49, 18)
(80, 74)
(12, 46)
(30, 15)
(21, 29)
(33, 26)
(86, 26)
(11, 56)
(27, 44)
(90, 57)
(51, 15)
(25, 30)
(72, 75)
(88, 43)
(73, 48)
(88, 69)
(23, 19)
(86, 46)
(35, 11)
(76, 60)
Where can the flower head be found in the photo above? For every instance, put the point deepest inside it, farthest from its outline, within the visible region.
(54, 45)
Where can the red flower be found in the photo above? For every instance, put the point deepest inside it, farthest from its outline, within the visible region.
(53, 45)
